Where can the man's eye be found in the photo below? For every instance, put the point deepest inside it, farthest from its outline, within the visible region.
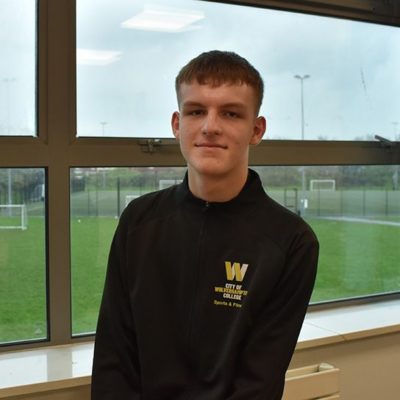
(231, 114)
(195, 112)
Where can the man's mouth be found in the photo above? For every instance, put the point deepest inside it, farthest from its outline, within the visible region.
(211, 145)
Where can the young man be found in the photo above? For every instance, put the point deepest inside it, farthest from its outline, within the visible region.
(208, 281)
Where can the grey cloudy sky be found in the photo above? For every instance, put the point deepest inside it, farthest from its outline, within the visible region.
(129, 52)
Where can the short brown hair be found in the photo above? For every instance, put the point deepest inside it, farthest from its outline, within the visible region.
(217, 67)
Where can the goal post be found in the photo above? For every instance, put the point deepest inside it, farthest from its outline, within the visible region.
(13, 216)
(328, 185)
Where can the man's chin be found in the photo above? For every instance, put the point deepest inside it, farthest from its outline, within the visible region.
(208, 170)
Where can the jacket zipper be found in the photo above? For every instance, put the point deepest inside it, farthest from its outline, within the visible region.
(197, 277)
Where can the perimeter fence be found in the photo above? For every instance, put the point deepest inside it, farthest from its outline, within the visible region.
(319, 203)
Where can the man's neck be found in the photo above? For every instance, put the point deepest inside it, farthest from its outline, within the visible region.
(216, 188)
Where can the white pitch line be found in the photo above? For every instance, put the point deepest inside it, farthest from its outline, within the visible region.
(362, 220)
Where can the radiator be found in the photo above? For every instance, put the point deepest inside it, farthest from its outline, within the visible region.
(314, 382)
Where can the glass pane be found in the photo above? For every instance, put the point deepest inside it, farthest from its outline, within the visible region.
(331, 80)
(98, 196)
(23, 314)
(355, 212)
(18, 68)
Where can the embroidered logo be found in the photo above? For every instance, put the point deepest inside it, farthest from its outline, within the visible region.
(235, 271)
(233, 292)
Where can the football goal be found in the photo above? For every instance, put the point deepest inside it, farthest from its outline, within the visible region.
(13, 216)
(322, 184)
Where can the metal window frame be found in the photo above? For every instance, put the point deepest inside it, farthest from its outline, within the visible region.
(57, 149)
(379, 11)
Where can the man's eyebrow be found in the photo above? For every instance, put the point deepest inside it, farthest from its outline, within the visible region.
(233, 105)
(224, 105)
(192, 104)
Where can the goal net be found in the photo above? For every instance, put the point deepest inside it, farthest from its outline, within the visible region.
(322, 184)
(13, 216)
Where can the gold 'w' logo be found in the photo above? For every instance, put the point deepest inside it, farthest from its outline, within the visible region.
(235, 271)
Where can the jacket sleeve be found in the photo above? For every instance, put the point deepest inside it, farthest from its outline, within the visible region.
(261, 366)
(116, 372)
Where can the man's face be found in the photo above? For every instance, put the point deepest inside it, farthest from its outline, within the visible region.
(215, 126)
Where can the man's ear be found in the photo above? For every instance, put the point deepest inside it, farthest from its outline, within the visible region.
(260, 126)
(175, 124)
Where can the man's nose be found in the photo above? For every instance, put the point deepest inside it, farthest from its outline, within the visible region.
(211, 125)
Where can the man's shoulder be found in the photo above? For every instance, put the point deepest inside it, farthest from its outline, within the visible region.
(274, 210)
(281, 224)
(271, 219)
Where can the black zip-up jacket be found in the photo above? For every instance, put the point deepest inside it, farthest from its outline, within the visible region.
(203, 301)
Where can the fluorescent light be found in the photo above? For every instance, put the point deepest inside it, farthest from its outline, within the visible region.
(163, 19)
(96, 57)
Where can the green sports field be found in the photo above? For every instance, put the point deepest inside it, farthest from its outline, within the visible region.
(358, 257)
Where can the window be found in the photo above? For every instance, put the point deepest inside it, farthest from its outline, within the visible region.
(18, 68)
(89, 123)
(354, 210)
(98, 196)
(122, 91)
(23, 305)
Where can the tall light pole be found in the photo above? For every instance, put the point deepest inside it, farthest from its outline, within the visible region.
(10, 197)
(395, 124)
(302, 101)
(103, 126)
(7, 82)
(395, 167)
(303, 171)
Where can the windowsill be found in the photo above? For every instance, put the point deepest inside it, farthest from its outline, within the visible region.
(45, 369)
(349, 323)
(61, 367)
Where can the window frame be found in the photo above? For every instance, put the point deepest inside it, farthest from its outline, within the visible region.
(57, 149)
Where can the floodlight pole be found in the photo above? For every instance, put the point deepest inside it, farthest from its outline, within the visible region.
(395, 124)
(103, 127)
(10, 200)
(303, 171)
(395, 167)
(7, 82)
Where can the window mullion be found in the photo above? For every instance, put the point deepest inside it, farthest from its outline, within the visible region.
(60, 103)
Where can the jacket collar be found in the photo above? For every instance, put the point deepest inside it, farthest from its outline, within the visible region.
(251, 192)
